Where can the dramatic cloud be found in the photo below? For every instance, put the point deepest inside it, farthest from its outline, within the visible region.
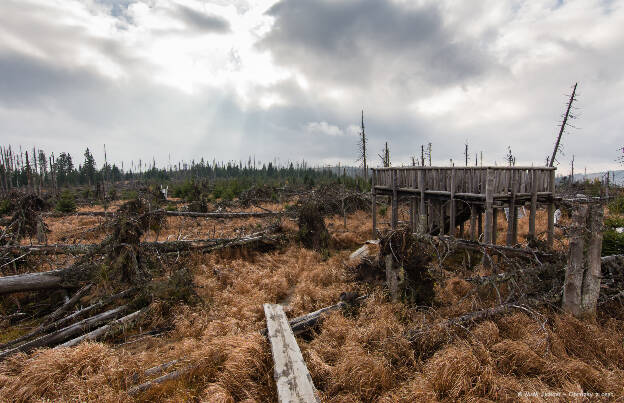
(202, 21)
(288, 80)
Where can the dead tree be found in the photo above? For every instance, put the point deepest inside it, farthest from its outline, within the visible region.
(362, 145)
(582, 279)
(563, 125)
(385, 156)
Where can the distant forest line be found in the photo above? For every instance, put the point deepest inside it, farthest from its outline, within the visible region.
(37, 170)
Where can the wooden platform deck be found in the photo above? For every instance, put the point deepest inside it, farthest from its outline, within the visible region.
(443, 198)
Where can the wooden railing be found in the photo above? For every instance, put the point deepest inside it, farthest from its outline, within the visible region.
(467, 180)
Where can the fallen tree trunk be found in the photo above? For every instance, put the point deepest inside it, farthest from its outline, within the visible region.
(302, 323)
(233, 214)
(458, 243)
(170, 376)
(66, 333)
(242, 214)
(101, 331)
(66, 306)
(164, 247)
(32, 281)
(475, 316)
(68, 319)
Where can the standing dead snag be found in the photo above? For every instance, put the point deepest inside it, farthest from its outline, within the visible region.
(582, 279)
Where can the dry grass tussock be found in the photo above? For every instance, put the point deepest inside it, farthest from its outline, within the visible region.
(361, 355)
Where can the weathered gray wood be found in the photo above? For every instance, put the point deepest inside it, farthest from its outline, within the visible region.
(489, 199)
(170, 376)
(533, 208)
(374, 209)
(550, 237)
(101, 331)
(294, 383)
(412, 214)
(66, 306)
(583, 273)
(423, 212)
(452, 213)
(395, 201)
(66, 333)
(473, 222)
(494, 225)
(31, 281)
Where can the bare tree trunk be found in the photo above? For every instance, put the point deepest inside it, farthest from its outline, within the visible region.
(582, 279)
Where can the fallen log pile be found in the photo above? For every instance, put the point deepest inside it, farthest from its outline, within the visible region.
(123, 263)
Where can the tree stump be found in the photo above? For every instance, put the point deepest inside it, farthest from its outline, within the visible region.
(582, 279)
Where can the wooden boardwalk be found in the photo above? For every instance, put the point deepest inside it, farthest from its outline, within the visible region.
(443, 198)
(294, 384)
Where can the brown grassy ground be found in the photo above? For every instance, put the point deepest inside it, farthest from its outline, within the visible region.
(359, 357)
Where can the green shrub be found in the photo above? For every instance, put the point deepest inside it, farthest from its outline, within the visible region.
(171, 207)
(612, 243)
(66, 203)
(617, 205)
(6, 207)
(613, 222)
(383, 210)
(129, 195)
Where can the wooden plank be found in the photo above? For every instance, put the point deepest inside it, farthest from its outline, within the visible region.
(473, 222)
(550, 238)
(395, 201)
(422, 222)
(533, 209)
(374, 204)
(294, 383)
(489, 199)
(452, 214)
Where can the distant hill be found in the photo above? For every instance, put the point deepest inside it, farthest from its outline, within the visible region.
(619, 176)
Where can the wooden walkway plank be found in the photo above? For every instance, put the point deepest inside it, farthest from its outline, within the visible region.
(294, 383)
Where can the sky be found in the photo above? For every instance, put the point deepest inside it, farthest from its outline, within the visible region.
(287, 80)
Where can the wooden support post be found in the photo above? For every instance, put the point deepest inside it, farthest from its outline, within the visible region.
(582, 279)
(551, 211)
(452, 213)
(489, 200)
(533, 209)
(494, 225)
(293, 380)
(412, 214)
(392, 277)
(473, 222)
(479, 224)
(512, 235)
(441, 217)
(395, 200)
(374, 204)
(422, 221)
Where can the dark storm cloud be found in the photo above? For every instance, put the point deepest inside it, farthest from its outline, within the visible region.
(201, 21)
(29, 81)
(354, 40)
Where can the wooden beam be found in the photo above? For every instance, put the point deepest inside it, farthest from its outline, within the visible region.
(294, 383)
(422, 223)
(452, 213)
(489, 199)
(533, 210)
(551, 211)
(473, 222)
(395, 201)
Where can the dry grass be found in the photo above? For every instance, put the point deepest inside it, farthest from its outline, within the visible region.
(358, 356)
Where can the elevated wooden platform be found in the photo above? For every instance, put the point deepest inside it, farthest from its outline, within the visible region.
(443, 198)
